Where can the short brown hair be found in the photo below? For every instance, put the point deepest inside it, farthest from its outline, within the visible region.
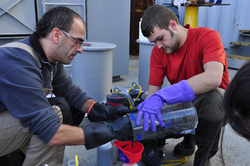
(156, 16)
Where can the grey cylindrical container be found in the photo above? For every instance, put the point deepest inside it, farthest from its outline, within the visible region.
(92, 70)
(177, 119)
(105, 155)
(115, 153)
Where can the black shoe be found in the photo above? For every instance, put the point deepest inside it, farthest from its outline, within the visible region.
(186, 147)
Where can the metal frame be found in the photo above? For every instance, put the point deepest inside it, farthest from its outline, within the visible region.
(9, 10)
(41, 7)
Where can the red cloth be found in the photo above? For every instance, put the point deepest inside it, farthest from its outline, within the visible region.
(201, 46)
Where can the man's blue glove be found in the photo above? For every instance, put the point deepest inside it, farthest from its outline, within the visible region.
(151, 107)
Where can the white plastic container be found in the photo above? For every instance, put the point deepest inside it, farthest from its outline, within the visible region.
(71, 162)
(141, 37)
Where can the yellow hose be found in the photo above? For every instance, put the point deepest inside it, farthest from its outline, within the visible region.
(183, 160)
(131, 106)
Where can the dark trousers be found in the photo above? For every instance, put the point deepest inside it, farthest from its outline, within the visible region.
(211, 117)
(71, 116)
(207, 139)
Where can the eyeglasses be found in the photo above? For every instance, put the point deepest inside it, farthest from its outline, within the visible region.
(76, 40)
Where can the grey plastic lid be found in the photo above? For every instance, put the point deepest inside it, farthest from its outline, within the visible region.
(98, 46)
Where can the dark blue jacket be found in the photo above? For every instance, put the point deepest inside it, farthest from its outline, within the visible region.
(21, 88)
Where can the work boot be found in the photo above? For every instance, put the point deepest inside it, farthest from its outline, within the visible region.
(186, 147)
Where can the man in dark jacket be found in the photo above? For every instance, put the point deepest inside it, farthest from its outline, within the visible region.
(32, 68)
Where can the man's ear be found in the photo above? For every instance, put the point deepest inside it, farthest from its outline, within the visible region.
(172, 25)
(56, 35)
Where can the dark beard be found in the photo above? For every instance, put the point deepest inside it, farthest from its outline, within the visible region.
(175, 46)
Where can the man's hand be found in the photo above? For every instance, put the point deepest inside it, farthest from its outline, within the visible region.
(100, 112)
(98, 134)
(151, 107)
(176, 93)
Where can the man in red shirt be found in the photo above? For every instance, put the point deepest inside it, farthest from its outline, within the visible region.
(194, 62)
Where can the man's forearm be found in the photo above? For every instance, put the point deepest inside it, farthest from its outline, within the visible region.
(152, 89)
(207, 80)
(68, 135)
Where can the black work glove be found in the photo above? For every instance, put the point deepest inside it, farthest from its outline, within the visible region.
(100, 112)
(99, 134)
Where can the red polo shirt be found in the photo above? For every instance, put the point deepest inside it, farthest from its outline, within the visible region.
(201, 46)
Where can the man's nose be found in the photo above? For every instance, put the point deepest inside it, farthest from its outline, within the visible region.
(159, 44)
(79, 49)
